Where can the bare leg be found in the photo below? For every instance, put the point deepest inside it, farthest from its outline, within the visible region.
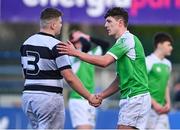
(124, 127)
(87, 127)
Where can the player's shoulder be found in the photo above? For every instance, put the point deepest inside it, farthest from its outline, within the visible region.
(51, 42)
(127, 39)
(126, 35)
(150, 59)
(168, 62)
(30, 39)
(42, 41)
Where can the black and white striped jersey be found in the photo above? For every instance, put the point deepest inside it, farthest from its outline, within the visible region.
(41, 61)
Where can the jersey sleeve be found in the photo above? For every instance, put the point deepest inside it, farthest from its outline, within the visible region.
(62, 61)
(120, 48)
(148, 64)
(170, 65)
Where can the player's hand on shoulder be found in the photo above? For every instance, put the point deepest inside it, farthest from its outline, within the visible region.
(66, 48)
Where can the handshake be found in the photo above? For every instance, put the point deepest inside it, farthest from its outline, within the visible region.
(95, 100)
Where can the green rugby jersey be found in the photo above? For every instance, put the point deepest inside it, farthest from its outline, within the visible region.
(130, 65)
(85, 72)
(158, 75)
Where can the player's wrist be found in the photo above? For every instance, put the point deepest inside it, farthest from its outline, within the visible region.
(102, 95)
(89, 97)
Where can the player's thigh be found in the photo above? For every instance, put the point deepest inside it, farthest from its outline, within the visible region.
(27, 108)
(134, 111)
(81, 112)
(163, 122)
(152, 119)
(49, 108)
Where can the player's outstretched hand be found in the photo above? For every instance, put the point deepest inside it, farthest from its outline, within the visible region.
(66, 48)
(95, 101)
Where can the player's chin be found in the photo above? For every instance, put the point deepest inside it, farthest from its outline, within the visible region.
(110, 34)
(168, 54)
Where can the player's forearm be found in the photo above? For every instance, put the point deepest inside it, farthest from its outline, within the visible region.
(153, 102)
(92, 59)
(113, 88)
(110, 91)
(168, 96)
(78, 87)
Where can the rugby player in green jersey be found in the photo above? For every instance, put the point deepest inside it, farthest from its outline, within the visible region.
(159, 71)
(131, 80)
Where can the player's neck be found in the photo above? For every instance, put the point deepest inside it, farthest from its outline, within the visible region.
(159, 54)
(47, 31)
(120, 33)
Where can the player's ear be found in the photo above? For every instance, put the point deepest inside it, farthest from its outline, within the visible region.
(121, 22)
(53, 25)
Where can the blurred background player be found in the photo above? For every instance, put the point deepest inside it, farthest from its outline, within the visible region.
(83, 114)
(131, 78)
(159, 71)
(44, 68)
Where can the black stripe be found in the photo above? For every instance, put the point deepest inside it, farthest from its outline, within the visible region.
(55, 52)
(65, 67)
(43, 88)
(44, 52)
(48, 74)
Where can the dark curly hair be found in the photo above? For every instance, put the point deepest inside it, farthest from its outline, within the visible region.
(161, 37)
(118, 13)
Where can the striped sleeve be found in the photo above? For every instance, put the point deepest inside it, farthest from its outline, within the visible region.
(62, 61)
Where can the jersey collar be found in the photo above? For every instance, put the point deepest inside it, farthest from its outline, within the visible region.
(46, 34)
(123, 35)
(156, 57)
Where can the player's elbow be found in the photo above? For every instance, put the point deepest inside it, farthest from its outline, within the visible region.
(104, 64)
(106, 60)
(69, 79)
(68, 75)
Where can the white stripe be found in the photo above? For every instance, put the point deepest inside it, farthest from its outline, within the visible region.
(42, 40)
(115, 57)
(63, 61)
(47, 82)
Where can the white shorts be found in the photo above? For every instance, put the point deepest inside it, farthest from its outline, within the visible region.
(81, 112)
(134, 111)
(156, 121)
(45, 110)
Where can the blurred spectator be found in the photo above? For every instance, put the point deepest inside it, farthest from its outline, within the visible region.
(84, 118)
